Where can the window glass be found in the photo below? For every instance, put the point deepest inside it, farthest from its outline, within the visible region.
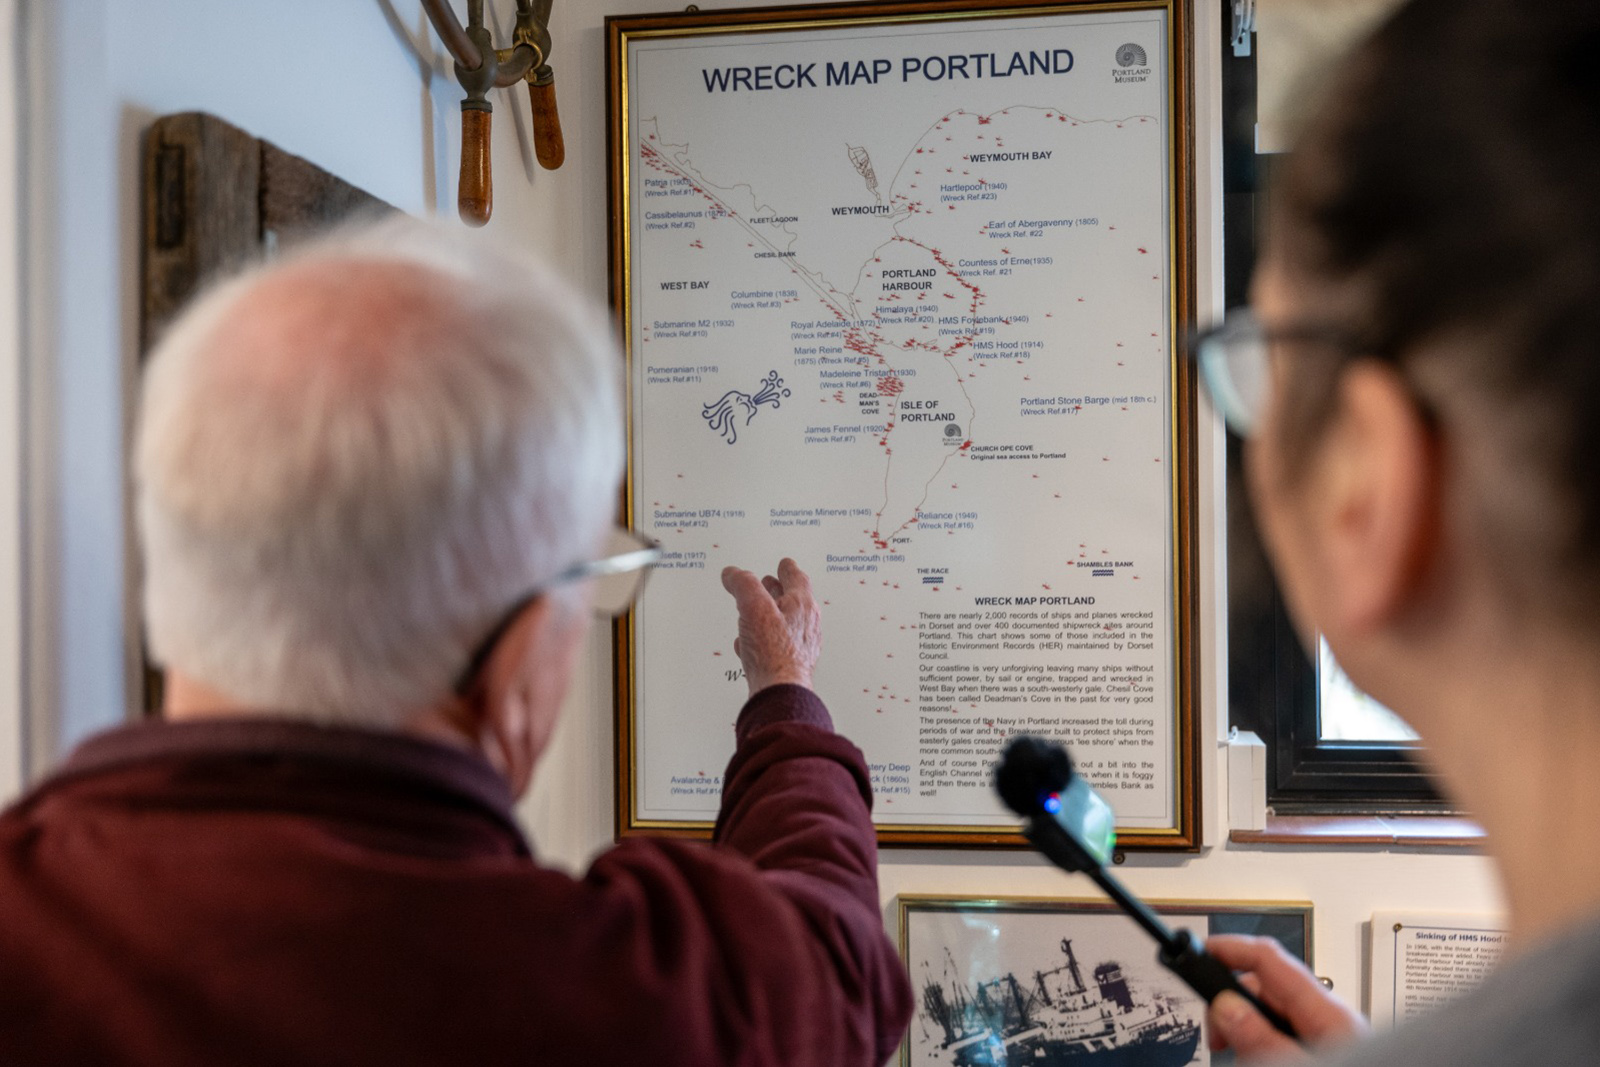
(1345, 713)
(1331, 748)
(1299, 41)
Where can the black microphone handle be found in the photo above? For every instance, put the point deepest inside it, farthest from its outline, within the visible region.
(1208, 976)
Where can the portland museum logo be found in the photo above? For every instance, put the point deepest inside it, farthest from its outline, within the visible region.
(1132, 64)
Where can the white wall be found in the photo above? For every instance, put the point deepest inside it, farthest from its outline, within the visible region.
(12, 735)
(343, 84)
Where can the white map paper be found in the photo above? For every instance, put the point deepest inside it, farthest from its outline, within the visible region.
(900, 306)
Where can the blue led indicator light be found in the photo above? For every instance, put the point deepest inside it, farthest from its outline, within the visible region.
(1052, 803)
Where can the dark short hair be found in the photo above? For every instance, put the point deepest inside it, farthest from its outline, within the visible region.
(1451, 182)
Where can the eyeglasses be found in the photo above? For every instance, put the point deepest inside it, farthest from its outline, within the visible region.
(1233, 360)
(618, 578)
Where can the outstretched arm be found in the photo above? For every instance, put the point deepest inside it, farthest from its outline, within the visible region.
(797, 800)
(769, 948)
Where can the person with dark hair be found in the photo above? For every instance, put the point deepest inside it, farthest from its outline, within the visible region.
(1418, 379)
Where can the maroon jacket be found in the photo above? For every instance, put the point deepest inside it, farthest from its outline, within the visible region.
(233, 892)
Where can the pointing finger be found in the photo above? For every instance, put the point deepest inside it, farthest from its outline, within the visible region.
(793, 578)
(741, 583)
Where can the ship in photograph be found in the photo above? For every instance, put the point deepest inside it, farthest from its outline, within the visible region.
(1055, 1020)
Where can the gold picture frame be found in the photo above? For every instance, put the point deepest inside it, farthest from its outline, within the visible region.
(1022, 974)
(677, 279)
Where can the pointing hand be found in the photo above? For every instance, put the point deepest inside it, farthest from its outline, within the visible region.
(780, 628)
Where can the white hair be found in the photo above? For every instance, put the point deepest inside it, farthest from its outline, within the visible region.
(350, 462)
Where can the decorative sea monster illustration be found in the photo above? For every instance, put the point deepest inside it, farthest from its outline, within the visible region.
(719, 414)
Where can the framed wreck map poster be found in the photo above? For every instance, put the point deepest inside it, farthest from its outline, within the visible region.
(1039, 981)
(899, 286)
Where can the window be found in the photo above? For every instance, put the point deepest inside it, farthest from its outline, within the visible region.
(1330, 747)
(1345, 713)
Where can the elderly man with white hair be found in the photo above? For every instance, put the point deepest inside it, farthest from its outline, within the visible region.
(376, 482)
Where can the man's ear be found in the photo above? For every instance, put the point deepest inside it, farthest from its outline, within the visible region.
(1381, 514)
(518, 702)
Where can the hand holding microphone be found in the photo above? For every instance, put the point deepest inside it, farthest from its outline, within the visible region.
(1074, 828)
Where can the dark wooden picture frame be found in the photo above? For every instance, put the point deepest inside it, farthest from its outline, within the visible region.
(215, 199)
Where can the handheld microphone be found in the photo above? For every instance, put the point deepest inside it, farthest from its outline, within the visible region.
(1067, 821)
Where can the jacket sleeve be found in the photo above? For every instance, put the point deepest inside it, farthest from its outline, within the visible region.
(768, 947)
(797, 801)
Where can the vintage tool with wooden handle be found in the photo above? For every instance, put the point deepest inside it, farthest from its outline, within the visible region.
(480, 67)
(548, 147)
(475, 192)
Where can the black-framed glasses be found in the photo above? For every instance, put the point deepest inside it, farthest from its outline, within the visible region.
(618, 578)
(1233, 357)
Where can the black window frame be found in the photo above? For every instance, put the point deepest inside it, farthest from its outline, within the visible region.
(1272, 681)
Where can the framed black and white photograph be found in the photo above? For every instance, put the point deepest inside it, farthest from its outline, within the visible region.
(1050, 982)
